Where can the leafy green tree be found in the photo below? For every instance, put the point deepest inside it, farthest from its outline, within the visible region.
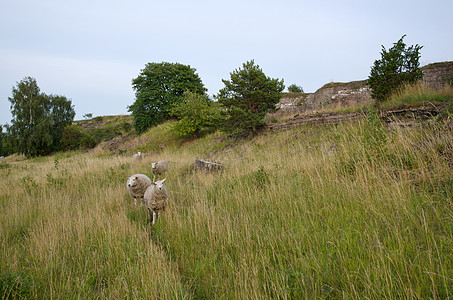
(6, 145)
(38, 119)
(61, 115)
(194, 113)
(247, 97)
(397, 66)
(158, 88)
(293, 88)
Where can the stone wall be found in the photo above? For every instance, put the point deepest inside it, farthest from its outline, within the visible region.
(352, 93)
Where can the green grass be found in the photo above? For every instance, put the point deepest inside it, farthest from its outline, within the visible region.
(417, 95)
(354, 85)
(348, 211)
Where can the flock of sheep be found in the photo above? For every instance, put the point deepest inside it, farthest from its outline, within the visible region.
(152, 194)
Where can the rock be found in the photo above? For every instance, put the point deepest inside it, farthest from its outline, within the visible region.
(207, 166)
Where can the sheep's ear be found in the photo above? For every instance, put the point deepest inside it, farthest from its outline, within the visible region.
(163, 180)
(153, 183)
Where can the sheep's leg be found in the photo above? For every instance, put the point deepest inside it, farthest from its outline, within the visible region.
(154, 217)
(135, 201)
(149, 215)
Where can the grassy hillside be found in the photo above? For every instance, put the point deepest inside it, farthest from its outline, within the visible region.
(349, 211)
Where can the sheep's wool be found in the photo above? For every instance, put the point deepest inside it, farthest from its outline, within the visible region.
(159, 167)
(137, 185)
(156, 196)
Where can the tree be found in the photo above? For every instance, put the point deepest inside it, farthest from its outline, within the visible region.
(397, 66)
(61, 115)
(158, 88)
(194, 113)
(247, 97)
(6, 145)
(38, 119)
(293, 88)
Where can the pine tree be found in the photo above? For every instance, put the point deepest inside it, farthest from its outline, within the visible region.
(246, 99)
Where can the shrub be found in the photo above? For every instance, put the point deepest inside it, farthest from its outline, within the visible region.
(75, 137)
(194, 113)
(397, 66)
(293, 88)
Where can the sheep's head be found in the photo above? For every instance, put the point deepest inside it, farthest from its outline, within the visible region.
(132, 181)
(154, 165)
(159, 185)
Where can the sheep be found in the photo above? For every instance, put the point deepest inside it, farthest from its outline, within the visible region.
(138, 156)
(137, 185)
(159, 168)
(156, 199)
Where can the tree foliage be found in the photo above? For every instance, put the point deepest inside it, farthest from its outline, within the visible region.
(194, 113)
(397, 66)
(38, 119)
(247, 97)
(6, 142)
(158, 88)
(293, 88)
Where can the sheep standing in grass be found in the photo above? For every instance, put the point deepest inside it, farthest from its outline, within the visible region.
(159, 168)
(156, 199)
(137, 185)
(138, 156)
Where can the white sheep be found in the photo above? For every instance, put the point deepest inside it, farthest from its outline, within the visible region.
(138, 156)
(159, 168)
(156, 199)
(137, 185)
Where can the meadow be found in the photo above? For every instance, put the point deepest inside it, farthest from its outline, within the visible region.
(350, 211)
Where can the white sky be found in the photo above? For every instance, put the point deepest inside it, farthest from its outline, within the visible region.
(89, 51)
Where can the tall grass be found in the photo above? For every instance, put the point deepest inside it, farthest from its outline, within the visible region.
(311, 217)
(350, 211)
(419, 94)
(68, 231)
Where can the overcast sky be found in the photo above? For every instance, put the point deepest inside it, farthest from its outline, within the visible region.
(89, 51)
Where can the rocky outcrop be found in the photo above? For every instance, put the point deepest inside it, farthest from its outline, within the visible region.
(438, 74)
(207, 166)
(314, 119)
(344, 94)
(355, 93)
(411, 116)
(332, 94)
(396, 117)
(291, 104)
